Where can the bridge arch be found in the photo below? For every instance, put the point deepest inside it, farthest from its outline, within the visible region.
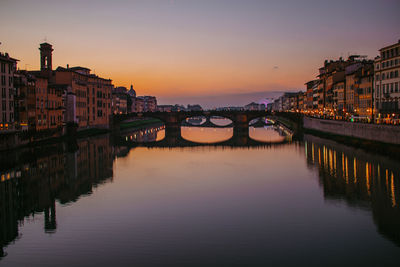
(172, 120)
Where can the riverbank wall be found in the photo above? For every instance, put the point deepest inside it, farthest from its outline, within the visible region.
(389, 134)
(17, 139)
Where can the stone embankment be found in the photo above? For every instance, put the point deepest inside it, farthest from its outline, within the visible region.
(374, 132)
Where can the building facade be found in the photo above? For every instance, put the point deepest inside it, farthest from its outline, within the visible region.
(8, 67)
(387, 81)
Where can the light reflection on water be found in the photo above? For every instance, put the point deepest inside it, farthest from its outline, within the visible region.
(206, 134)
(308, 203)
(220, 121)
(265, 134)
(149, 134)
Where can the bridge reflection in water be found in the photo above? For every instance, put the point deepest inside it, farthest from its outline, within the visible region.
(173, 122)
(206, 134)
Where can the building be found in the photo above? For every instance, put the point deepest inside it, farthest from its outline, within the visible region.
(316, 95)
(331, 73)
(8, 67)
(351, 87)
(254, 106)
(70, 95)
(358, 89)
(139, 105)
(165, 108)
(365, 92)
(146, 104)
(88, 101)
(120, 101)
(25, 85)
(338, 88)
(387, 82)
(339, 96)
(195, 107)
(132, 101)
(310, 94)
(150, 103)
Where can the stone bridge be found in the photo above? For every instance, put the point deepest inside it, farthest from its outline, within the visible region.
(173, 120)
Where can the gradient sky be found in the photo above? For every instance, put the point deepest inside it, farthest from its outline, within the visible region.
(198, 48)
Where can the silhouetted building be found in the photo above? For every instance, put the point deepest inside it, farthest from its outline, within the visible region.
(254, 106)
(195, 107)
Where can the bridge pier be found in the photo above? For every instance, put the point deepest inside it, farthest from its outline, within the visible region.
(241, 129)
(172, 129)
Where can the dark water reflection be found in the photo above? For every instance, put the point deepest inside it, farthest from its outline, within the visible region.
(311, 203)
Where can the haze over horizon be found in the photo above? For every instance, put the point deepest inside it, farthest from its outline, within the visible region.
(203, 52)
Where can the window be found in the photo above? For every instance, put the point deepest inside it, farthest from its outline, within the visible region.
(396, 87)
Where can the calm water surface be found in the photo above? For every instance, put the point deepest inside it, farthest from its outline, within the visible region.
(92, 203)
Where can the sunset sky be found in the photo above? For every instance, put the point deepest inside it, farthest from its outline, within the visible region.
(183, 49)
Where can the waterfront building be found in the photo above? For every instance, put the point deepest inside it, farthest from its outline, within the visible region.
(315, 95)
(150, 103)
(88, 96)
(387, 81)
(165, 108)
(358, 88)
(277, 106)
(8, 66)
(338, 84)
(178, 108)
(351, 87)
(120, 100)
(365, 94)
(72, 94)
(146, 104)
(329, 74)
(139, 105)
(195, 107)
(132, 102)
(25, 85)
(253, 106)
(310, 86)
(339, 96)
(320, 96)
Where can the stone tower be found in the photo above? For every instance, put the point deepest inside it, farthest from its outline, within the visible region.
(46, 50)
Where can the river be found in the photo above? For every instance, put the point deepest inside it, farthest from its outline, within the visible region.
(98, 202)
